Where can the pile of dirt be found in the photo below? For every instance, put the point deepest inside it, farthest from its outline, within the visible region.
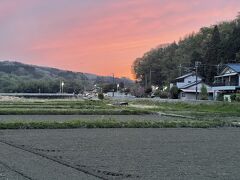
(10, 98)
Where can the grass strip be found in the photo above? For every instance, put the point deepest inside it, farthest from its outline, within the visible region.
(117, 124)
(221, 108)
(20, 111)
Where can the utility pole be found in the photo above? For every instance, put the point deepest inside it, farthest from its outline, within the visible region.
(113, 85)
(150, 77)
(196, 73)
(180, 70)
(218, 68)
(145, 76)
(60, 87)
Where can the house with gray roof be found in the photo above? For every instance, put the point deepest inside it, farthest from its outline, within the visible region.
(228, 81)
(187, 86)
(186, 79)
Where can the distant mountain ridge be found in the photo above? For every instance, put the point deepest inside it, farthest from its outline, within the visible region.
(20, 77)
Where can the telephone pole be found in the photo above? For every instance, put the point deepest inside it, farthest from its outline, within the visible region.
(145, 76)
(180, 69)
(60, 87)
(196, 73)
(150, 77)
(113, 84)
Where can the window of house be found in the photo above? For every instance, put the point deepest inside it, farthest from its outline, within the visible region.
(183, 94)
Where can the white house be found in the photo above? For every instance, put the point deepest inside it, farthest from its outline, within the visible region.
(186, 79)
(188, 92)
(187, 85)
(228, 81)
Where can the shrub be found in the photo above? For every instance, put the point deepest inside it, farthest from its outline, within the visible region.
(174, 92)
(226, 99)
(126, 91)
(161, 94)
(164, 95)
(109, 87)
(220, 97)
(100, 96)
(148, 91)
(157, 93)
(204, 93)
(238, 97)
(137, 91)
(233, 97)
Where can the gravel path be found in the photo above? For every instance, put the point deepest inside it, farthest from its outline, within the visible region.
(122, 153)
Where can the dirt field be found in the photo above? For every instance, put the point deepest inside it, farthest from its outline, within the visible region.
(62, 118)
(120, 154)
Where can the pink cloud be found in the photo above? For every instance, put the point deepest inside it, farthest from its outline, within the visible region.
(69, 36)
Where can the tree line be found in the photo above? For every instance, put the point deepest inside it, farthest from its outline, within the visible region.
(212, 46)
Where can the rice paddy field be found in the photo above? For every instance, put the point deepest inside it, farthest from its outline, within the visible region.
(37, 114)
(120, 153)
(92, 139)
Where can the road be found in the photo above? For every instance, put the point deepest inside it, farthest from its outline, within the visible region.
(120, 154)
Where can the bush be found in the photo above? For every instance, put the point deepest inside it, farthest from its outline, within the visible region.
(100, 96)
(126, 91)
(204, 93)
(174, 92)
(238, 97)
(137, 91)
(109, 87)
(161, 94)
(157, 93)
(164, 95)
(226, 99)
(220, 97)
(233, 97)
(148, 91)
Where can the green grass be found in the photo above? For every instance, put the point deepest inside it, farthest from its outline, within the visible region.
(66, 107)
(88, 107)
(116, 124)
(198, 109)
(206, 115)
(70, 111)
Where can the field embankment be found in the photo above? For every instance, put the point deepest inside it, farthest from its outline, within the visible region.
(179, 114)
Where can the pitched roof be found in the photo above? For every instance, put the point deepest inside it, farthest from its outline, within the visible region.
(187, 75)
(191, 84)
(184, 76)
(235, 67)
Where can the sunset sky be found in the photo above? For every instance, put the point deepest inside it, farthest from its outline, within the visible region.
(100, 36)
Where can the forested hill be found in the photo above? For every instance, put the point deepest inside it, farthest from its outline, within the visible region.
(18, 77)
(213, 46)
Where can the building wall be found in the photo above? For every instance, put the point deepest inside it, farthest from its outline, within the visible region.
(238, 79)
(192, 96)
(199, 87)
(187, 96)
(191, 79)
(188, 80)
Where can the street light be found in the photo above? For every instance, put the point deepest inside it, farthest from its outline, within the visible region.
(62, 85)
(117, 87)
